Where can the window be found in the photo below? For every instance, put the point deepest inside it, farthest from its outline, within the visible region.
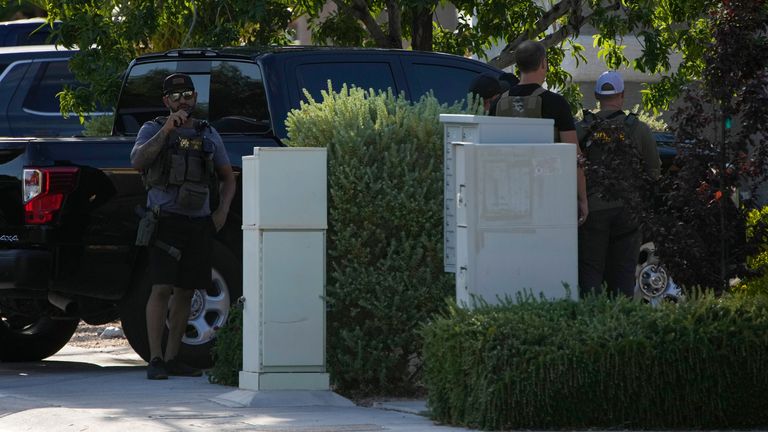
(230, 95)
(314, 77)
(448, 83)
(141, 97)
(50, 79)
(238, 103)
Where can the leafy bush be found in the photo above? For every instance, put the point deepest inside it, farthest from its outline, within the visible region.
(653, 120)
(601, 363)
(228, 350)
(384, 240)
(700, 228)
(757, 262)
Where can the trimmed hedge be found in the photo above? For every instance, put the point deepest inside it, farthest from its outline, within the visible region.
(600, 362)
(384, 241)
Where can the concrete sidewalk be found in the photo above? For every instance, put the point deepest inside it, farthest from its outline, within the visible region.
(107, 390)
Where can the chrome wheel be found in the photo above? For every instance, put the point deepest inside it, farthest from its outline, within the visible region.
(652, 282)
(208, 312)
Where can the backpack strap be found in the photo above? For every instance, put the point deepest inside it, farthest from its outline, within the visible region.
(631, 121)
(585, 129)
(532, 101)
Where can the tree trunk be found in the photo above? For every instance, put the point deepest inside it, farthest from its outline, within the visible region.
(421, 39)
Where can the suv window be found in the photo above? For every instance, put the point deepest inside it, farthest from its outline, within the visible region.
(313, 76)
(442, 80)
(238, 103)
(236, 89)
(50, 79)
(27, 32)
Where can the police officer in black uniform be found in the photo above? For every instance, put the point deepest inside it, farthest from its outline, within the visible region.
(179, 157)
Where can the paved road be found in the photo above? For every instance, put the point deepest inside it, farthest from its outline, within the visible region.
(104, 391)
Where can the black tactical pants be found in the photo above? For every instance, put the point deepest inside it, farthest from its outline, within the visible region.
(609, 245)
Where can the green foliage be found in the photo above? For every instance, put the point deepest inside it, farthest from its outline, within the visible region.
(384, 240)
(118, 31)
(600, 363)
(757, 262)
(12, 10)
(663, 27)
(652, 119)
(700, 230)
(228, 350)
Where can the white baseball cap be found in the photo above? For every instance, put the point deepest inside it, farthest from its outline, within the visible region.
(609, 83)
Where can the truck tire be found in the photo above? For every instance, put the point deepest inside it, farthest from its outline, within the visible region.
(209, 311)
(33, 339)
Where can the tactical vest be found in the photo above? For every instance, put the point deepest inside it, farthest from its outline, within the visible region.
(522, 106)
(600, 139)
(593, 131)
(185, 162)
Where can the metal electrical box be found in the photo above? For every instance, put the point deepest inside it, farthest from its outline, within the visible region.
(284, 223)
(510, 208)
(516, 221)
(479, 130)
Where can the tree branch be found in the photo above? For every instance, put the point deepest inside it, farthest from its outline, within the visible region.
(360, 10)
(507, 55)
(191, 26)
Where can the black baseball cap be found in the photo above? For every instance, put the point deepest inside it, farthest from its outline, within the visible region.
(510, 79)
(177, 82)
(486, 85)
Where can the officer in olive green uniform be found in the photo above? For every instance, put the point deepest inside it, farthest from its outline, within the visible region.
(610, 239)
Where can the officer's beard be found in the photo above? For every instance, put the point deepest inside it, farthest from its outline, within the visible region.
(183, 107)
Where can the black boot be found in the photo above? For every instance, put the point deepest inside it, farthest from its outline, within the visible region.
(156, 369)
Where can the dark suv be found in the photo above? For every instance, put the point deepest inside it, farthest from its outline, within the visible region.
(31, 76)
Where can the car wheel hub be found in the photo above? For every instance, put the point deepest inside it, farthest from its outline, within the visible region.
(653, 280)
(197, 306)
(208, 312)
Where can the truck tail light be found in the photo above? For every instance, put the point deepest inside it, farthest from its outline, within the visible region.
(44, 190)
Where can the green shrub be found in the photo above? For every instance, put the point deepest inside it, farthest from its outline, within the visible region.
(757, 261)
(228, 350)
(601, 363)
(384, 240)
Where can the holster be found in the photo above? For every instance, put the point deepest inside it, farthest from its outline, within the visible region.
(147, 227)
(145, 235)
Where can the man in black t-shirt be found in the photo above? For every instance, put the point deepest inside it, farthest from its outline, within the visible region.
(530, 99)
(487, 87)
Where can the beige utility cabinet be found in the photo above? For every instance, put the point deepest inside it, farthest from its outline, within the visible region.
(479, 129)
(284, 223)
(510, 208)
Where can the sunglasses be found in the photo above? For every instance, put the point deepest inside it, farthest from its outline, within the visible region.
(175, 96)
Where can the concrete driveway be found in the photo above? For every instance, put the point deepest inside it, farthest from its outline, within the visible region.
(106, 390)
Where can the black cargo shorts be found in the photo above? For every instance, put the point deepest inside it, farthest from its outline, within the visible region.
(193, 236)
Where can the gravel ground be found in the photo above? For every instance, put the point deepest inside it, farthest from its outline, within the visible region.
(90, 336)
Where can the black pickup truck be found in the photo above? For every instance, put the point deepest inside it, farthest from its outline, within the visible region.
(67, 205)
